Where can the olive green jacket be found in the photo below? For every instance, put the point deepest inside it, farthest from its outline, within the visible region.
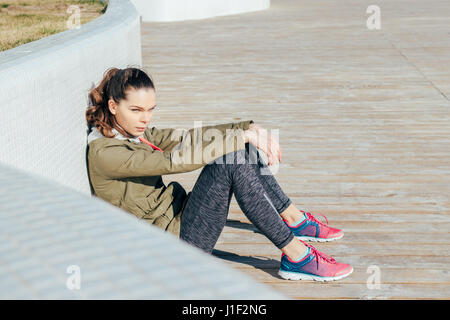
(127, 173)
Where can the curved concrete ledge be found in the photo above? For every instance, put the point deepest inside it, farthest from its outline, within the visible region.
(43, 93)
(178, 10)
(50, 222)
(50, 234)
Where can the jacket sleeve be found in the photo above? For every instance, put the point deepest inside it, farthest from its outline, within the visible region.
(168, 138)
(193, 149)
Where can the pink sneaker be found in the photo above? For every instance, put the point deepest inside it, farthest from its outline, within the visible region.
(314, 266)
(312, 229)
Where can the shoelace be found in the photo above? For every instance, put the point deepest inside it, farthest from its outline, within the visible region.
(318, 254)
(312, 218)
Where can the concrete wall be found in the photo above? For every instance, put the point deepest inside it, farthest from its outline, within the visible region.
(43, 93)
(50, 222)
(177, 10)
(44, 83)
(116, 255)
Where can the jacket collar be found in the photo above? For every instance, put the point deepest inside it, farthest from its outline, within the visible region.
(95, 134)
(121, 137)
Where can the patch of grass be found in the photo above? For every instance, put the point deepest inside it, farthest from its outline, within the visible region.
(24, 15)
(25, 21)
(89, 1)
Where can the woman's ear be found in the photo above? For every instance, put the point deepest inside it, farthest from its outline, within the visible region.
(112, 106)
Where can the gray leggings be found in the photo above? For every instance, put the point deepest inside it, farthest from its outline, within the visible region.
(259, 196)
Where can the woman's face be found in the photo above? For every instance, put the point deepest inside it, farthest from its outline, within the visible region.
(134, 113)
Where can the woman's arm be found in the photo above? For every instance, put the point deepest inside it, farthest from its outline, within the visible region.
(261, 139)
(194, 149)
(168, 138)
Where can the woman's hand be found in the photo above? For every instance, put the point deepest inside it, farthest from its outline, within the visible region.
(261, 139)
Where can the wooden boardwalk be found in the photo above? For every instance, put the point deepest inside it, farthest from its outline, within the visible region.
(364, 123)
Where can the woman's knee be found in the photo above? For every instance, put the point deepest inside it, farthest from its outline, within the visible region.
(242, 159)
(248, 155)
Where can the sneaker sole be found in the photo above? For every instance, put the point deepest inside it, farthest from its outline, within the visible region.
(304, 276)
(314, 239)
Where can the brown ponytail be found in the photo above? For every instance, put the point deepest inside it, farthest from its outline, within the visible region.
(113, 86)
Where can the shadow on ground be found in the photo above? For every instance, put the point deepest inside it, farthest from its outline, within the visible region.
(268, 265)
(242, 225)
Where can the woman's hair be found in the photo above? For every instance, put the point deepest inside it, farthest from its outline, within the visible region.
(113, 86)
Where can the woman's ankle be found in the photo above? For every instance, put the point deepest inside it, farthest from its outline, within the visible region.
(292, 214)
(295, 249)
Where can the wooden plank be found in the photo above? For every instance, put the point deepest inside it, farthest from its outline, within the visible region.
(269, 261)
(230, 236)
(369, 226)
(344, 249)
(363, 122)
(350, 291)
(335, 217)
(361, 275)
